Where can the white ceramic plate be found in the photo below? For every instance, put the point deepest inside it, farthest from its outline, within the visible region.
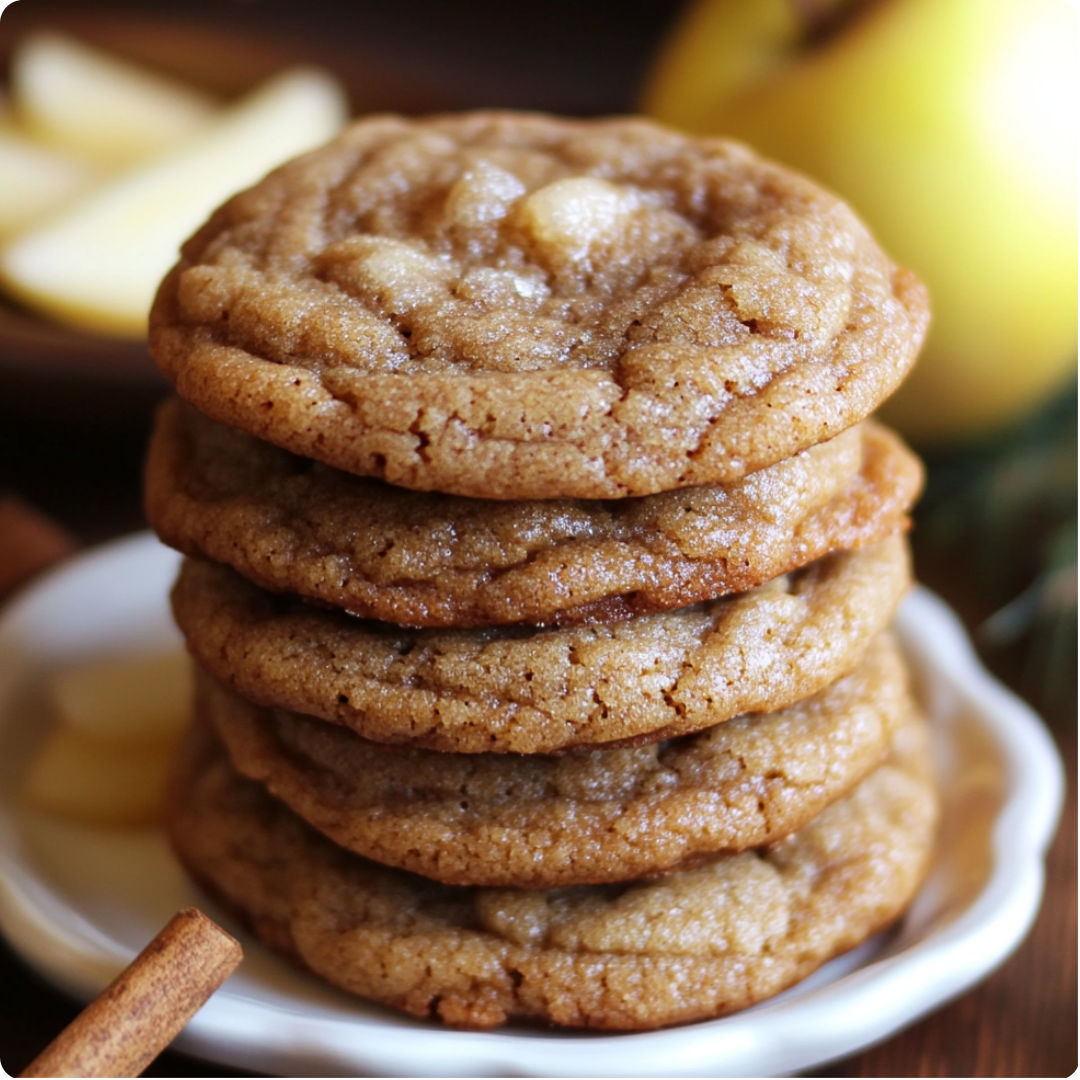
(79, 902)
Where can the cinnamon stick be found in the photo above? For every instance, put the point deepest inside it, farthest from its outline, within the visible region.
(147, 1005)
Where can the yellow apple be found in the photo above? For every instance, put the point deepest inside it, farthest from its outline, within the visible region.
(951, 126)
(98, 264)
(115, 113)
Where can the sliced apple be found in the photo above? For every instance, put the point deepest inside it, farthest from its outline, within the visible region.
(36, 181)
(99, 782)
(114, 112)
(98, 264)
(119, 723)
(127, 700)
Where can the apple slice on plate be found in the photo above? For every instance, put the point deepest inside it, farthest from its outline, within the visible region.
(98, 264)
(114, 113)
(139, 699)
(119, 723)
(97, 782)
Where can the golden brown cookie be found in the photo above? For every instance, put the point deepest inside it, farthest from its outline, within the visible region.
(606, 815)
(425, 559)
(512, 306)
(524, 690)
(698, 943)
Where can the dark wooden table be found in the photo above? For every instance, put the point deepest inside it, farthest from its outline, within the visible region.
(71, 441)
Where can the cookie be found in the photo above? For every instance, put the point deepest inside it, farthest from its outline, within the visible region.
(522, 690)
(698, 943)
(508, 306)
(606, 815)
(425, 559)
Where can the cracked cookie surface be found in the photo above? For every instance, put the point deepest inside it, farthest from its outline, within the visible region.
(523, 690)
(426, 559)
(534, 821)
(695, 944)
(509, 306)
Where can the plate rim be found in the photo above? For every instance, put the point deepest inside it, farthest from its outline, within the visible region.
(894, 988)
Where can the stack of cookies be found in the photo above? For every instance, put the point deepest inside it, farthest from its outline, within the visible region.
(541, 562)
